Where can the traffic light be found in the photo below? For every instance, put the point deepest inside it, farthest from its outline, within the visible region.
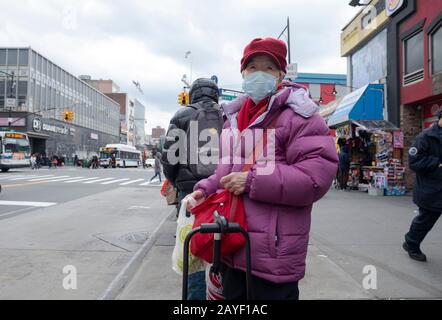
(68, 116)
(183, 99)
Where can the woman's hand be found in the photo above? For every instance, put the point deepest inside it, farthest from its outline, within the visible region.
(235, 182)
(198, 196)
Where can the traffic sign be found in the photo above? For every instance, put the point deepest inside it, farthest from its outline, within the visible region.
(292, 71)
(11, 102)
(227, 97)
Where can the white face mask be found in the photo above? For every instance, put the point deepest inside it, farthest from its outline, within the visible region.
(259, 85)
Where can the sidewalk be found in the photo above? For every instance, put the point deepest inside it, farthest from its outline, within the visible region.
(349, 231)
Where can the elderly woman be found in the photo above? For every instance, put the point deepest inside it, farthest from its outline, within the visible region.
(278, 204)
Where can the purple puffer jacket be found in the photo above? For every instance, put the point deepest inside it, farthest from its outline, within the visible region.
(278, 206)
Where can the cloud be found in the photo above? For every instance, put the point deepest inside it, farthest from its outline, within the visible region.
(146, 40)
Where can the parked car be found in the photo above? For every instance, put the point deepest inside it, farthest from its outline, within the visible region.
(150, 163)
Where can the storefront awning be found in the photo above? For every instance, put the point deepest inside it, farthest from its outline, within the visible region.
(376, 125)
(37, 135)
(366, 103)
(327, 110)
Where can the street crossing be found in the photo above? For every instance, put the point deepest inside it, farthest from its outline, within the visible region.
(66, 179)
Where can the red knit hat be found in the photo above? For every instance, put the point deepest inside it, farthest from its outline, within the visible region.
(273, 48)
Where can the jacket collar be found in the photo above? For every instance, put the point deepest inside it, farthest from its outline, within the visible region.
(434, 131)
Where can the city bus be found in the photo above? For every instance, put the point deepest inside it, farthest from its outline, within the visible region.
(124, 155)
(15, 150)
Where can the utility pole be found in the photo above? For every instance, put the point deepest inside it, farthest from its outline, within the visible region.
(287, 28)
(288, 41)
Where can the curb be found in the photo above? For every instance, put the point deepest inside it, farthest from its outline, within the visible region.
(129, 270)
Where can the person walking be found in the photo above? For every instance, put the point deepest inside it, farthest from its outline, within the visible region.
(33, 162)
(344, 165)
(278, 198)
(157, 167)
(425, 158)
(184, 175)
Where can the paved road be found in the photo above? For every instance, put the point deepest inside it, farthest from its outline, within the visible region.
(24, 190)
(94, 220)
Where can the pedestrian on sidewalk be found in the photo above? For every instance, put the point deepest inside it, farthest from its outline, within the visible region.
(204, 95)
(344, 164)
(157, 167)
(278, 202)
(425, 158)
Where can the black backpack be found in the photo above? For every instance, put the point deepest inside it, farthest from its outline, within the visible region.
(208, 116)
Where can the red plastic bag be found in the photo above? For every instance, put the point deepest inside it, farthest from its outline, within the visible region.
(229, 206)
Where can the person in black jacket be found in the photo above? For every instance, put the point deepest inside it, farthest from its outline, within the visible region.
(426, 161)
(206, 92)
(180, 175)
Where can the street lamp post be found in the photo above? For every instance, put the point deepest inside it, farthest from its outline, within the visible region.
(189, 54)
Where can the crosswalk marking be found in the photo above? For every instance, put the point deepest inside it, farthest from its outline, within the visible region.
(5, 176)
(148, 183)
(30, 177)
(27, 204)
(53, 178)
(100, 180)
(63, 179)
(20, 178)
(77, 179)
(131, 182)
(44, 179)
(115, 181)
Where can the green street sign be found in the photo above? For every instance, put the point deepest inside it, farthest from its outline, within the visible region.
(227, 97)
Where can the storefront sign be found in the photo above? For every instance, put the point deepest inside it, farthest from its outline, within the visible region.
(38, 125)
(371, 19)
(392, 6)
(55, 129)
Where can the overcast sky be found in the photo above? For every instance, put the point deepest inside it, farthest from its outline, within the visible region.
(146, 41)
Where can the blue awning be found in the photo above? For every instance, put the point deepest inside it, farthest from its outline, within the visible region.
(366, 103)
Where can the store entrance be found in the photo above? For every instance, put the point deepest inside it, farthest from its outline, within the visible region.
(38, 145)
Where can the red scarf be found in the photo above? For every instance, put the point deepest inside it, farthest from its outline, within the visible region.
(250, 112)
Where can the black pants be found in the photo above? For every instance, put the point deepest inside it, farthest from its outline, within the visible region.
(420, 227)
(234, 287)
(343, 179)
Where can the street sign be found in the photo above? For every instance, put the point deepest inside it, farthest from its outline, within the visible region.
(11, 102)
(292, 71)
(227, 97)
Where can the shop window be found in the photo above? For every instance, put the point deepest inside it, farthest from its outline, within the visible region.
(414, 58)
(436, 50)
